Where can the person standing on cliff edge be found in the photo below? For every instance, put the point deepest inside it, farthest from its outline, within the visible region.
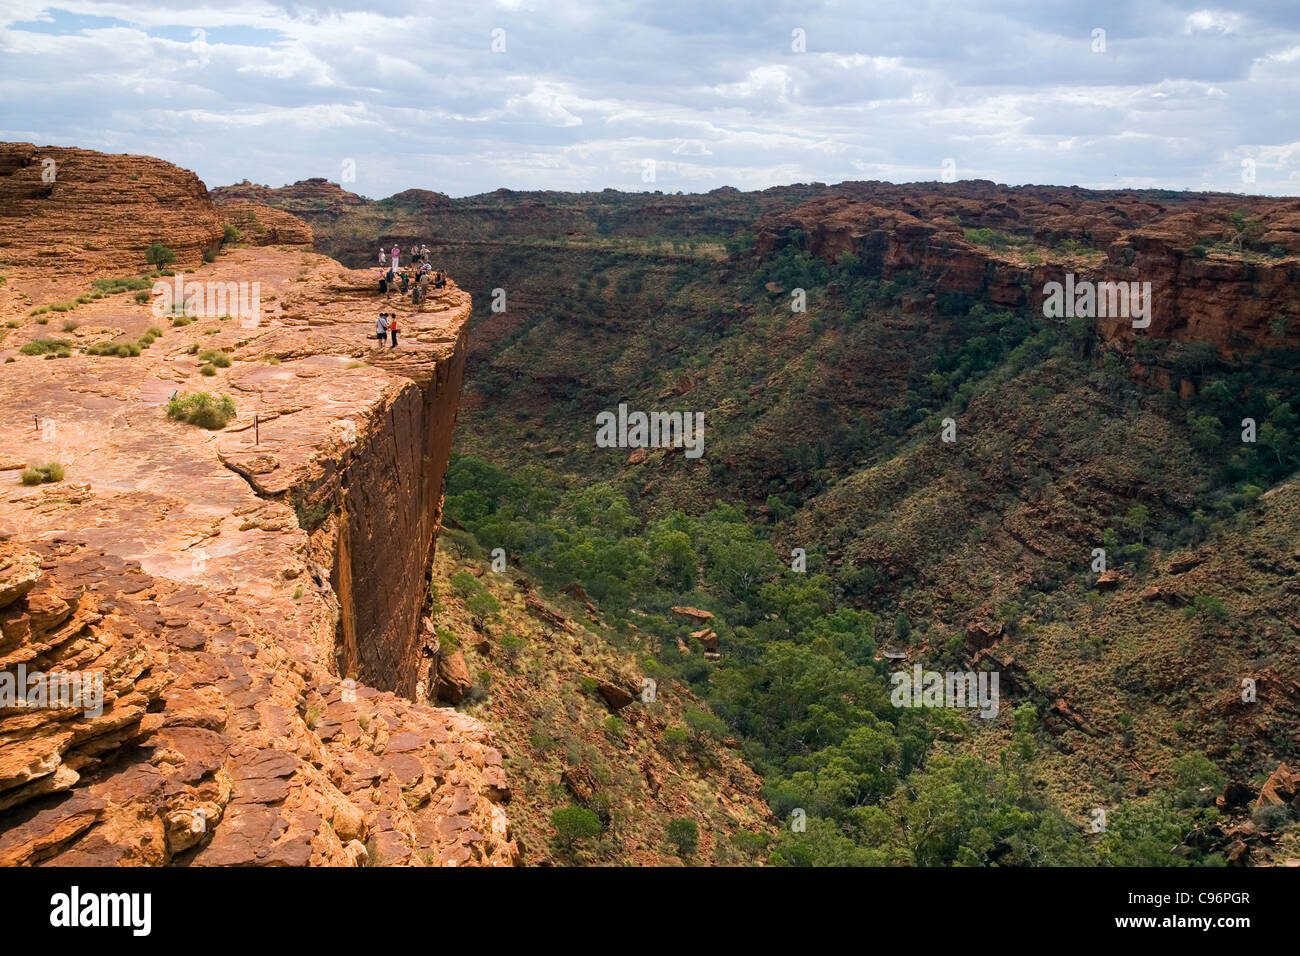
(381, 328)
(392, 329)
(396, 254)
(382, 258)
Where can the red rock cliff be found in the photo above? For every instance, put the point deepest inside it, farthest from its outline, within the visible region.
(225, 583)
(1199, 294)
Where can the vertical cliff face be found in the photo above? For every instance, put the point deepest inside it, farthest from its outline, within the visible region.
(391, 511)
(216, 578)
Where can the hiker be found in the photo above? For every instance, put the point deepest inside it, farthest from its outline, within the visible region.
(381, 256)
(396, 254)
(381, 328)
(424, 252)
(392, 329)
(383, 284)
(421, 288)
(406, 283)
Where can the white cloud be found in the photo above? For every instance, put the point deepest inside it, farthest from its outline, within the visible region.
(585, 93)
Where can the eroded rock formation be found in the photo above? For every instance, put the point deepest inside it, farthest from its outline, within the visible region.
(1198, 294)
(251, 593)
(65, 210)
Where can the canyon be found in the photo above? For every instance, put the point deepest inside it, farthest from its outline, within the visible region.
(282, 605)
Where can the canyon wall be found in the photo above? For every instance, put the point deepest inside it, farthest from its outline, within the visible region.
(250, 592)
(1199, 294)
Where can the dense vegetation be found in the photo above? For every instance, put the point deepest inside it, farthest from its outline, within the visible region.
(801, 681)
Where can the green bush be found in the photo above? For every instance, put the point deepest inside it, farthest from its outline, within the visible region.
(202, 409)
(215, 357)
(46, 346)
(684, 835)
(230, 234)
(41, 474)
(126, 284)
(159, 255)
(120, 349)
(573, 824)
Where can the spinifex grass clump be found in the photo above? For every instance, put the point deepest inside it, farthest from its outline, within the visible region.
(202, 409)
(120, 349)
(41, 474)
(215, 357)
(47, 347)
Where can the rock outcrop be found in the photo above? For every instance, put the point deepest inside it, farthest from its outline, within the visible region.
(65, 210)
(250, 594)
(1199, 293)
(262, 225)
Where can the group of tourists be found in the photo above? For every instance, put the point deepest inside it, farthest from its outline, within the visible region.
(418, 281)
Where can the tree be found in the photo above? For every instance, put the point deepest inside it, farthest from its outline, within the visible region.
(1136, 521)
(573, 824)
(159, 256)
(683, 834)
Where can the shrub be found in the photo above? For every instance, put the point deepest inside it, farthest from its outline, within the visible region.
(202, 409)
(126, 284)
(1207, 607)
(218, 358)
(512, 645)
(159, 255)
(120, 349)
(230, 234)
(207, 370)
(615, 727)
(46, 346)
(573, 824)
(684, 835)
(1272, 816)
(51, 471)
(481, 607)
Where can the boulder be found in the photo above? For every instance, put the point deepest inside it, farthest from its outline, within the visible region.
(693, 613)
(454, 681)
(1109, 580)
(615, 696)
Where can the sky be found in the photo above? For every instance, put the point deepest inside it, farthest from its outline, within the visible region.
(671, 95)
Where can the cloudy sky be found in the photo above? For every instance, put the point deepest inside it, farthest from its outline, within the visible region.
(466, 97)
